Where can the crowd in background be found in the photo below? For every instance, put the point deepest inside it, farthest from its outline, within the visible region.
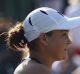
(9, 58)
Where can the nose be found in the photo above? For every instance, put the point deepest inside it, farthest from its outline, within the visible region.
(69, 40)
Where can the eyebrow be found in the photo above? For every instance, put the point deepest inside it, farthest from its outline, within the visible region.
(64, 30)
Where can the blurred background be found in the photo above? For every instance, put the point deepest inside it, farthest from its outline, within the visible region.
(18, 9)
(15, 11)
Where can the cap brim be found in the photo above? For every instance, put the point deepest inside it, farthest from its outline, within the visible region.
(71, 23)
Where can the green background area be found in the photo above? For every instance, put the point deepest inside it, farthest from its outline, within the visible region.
(16, 9)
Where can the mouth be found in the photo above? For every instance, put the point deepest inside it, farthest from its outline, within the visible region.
(65, 49)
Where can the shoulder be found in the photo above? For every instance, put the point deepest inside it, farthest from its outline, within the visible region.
(31, 67)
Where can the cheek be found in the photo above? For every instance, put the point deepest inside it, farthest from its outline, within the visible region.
(61, 43)
(56, 44)
(53, 46)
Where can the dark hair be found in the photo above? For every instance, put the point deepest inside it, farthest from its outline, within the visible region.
(15, 38)
(49, 33)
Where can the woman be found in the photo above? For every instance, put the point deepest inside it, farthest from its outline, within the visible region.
(45, 33)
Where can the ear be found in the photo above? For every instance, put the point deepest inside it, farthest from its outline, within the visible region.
(43, 38)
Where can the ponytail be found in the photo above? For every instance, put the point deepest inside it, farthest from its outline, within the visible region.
(15, 38)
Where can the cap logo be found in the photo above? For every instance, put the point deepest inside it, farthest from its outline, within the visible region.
(30, 21)
(43, 12)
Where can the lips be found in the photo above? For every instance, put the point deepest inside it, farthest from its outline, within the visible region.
(65, 49)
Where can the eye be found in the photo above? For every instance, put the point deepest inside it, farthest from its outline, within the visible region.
(65, 35)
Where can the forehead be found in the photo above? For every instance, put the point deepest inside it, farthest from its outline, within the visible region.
(60, 31)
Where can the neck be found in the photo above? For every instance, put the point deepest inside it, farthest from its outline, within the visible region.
(43, 58)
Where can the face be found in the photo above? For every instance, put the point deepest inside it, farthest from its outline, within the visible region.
(57, 44)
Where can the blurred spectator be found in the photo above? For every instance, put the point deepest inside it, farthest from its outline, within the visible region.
(73, 9)
(9, 58)
(5, 23)
(76, 71)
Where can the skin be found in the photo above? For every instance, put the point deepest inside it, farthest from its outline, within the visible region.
(57, 44)
(49, 49)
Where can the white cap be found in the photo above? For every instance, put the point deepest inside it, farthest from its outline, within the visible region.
(44, 19)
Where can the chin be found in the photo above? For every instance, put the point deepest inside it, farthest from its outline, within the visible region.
(62, 57)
